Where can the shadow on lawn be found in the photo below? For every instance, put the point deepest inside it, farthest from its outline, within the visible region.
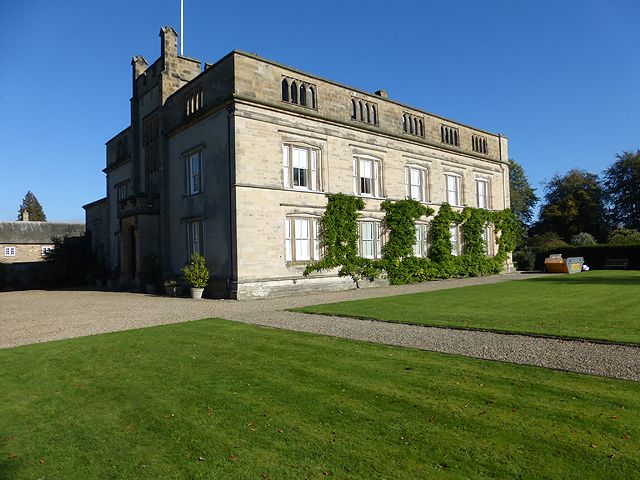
(622, 279)
(8, 470)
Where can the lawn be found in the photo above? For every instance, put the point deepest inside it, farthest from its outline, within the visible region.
(214, 399)
(600, 305)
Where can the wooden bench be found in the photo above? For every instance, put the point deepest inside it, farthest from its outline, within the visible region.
(616, 263)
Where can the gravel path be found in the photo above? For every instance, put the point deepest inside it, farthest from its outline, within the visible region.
(38, 316)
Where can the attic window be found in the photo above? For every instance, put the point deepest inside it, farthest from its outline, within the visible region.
(299, 93)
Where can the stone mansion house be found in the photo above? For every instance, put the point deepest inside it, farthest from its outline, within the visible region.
(234, 160)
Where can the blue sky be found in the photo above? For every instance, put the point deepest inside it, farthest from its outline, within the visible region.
(559, 78)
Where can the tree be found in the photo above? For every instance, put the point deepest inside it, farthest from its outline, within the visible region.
(622, 185)
(574, 203)
(31, 204)
(624, 236)
(523, 196)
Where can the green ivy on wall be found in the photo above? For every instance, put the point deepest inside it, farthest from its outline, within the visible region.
(339, 234)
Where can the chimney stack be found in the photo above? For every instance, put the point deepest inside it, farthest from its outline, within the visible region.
(25, 215)
(382, 93)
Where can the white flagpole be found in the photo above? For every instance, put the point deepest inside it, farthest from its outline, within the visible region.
(181, 27)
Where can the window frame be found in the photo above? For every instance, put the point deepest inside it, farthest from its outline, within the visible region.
(377, 239)
(288, 168)
(456, 247)
(487, 196)
(449, 135)
(122, 187)
(488, 239)
(45, 249)
(459, 189)
(424, 182)
(10, 251)
(190, 190)
(299, 92)
(196, 226)
(376, 176)
(421, 245)
(291, 240)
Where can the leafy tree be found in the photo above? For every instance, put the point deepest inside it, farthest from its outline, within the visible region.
(624, 236)
(574, 203)
(31, 204)
(583, 239)
(622, 184)
(523, 196)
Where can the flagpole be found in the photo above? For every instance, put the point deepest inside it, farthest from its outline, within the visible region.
(181, 27)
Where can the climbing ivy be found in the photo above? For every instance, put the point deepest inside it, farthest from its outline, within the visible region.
(399, 222)
(440, 234)
(339, 237)
(339, 234)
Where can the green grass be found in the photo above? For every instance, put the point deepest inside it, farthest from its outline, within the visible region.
(221, 400)
(600, 305)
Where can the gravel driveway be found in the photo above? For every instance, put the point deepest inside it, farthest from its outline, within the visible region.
(38, 316)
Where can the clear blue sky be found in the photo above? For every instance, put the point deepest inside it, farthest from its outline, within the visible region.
(559, 78)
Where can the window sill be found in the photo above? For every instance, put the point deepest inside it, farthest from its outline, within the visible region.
(298, 263)
(364, 195)
(289, 102)
(190, 195)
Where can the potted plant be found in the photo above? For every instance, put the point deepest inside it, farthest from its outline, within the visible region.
(150, 271)
(171, 287)
(196, 275)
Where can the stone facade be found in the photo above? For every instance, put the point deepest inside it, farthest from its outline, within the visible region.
(202, 166)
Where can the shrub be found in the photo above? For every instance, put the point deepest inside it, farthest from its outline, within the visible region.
(69, 263)
(624, 236)
(546, 241)
(583, 239)
(525, 258)
(196, 272)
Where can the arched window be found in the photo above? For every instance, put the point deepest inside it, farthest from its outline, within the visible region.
(285, 90)
(366, 106)
(415, 126)
(446, 135)
(455, 137)
(421, 125)
(404, 122)
(312, 97)
(411, 130)
(294, 92)
(374, 115)
(484, 146)
(353, 109)
(361, 110)
(303, 95)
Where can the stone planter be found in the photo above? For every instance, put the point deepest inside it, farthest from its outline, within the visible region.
(196, 292)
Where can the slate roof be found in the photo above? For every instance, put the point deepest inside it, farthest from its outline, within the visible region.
(38, 232)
